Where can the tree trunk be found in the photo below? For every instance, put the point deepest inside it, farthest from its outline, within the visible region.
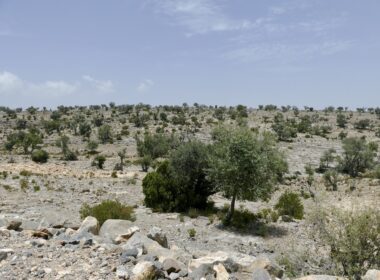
(231, 211)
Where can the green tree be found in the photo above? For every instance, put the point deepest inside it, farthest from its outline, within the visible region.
(341, 120)
(245, 165)
(105, 134)
(358, 156)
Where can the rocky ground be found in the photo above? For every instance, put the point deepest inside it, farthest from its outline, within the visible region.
(43, 237)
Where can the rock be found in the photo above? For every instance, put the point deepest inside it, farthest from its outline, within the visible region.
(231, 261)
(122, 273)
(203, 271)
(124, 237)
(372, 275)
(174, 276)
(150, 246)
(3, 255)
(144, 270)
(260, 274)
(266, 264)
(157, 235)
(43, 233)
(221, 272)
(4, 232)
(14, 225)
(170, 265)
(128, 255)
(90, 224)
(111, 229)
(321, 277)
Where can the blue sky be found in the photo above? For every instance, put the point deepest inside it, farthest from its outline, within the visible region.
(226, 52)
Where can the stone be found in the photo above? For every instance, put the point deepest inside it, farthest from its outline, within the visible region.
(372, 274)
(158, 235)
(174, 276)
(221, 272)
(321, 277)
(170, 265)
(150, 246)
(4, 232)
(122, 273)
(144, 270)
(14, 225)
(202, 271)
(266, 264)
(111, 229)
(3, 255)
(89, 224)
(231, 261)
(125, 236)
(261, 274)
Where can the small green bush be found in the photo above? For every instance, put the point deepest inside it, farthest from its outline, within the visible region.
(290, 204)
(40, 156)
(99, 161)
(192, 232)
(106, 210)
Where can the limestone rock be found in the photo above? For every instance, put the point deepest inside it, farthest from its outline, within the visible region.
(157, 235)
(111, 229)
(89, 224)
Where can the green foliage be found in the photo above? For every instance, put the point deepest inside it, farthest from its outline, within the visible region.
(285, 130)
(244, 165)
(362, 124)
(358, 156)
(290, 204)
(341, 120)
(326, 160)
(105, 134)
(180, 183)
(354, 240)
(106, 210)
(331, 179)
(99, 161)
(92, 146)
(27, 140)
(192, 232)
(156, 145)
(40, 156)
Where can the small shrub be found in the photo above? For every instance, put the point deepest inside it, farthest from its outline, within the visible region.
(192, 232)
(114, 174)
(36, 188)
(291, 205)
(24, 184)
(331, 179)
(40, 156)
(106, 210)
(99, 161)
(25, 173)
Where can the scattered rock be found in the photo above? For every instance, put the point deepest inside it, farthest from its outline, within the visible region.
(14, 225)
(372, 275)
(203, 271)
(111, 229)
(124, 237)
(3, 255)
(321, 277)
(89, 224)
(157, 235)
(260, 274)
(266, 264)
(170, 265)
(144, 270)
(221, 272)
(122, 273)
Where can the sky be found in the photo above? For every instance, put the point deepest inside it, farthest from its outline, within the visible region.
(215, 52)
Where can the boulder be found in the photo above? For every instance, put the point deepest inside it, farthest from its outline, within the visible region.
(111, 229)
(3, 255)
(122, 273)
(159, 236)
(14, 225)
(170, 265)
(144, 270)
(231, 261)
(372, 275)
(202, 272)
(266, 264)
(260, 274)
(128, 234)
(90, 224)
(221, 272)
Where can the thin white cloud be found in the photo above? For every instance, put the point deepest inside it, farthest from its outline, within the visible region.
(12, 85)
(200, 16)
(103, 86)
(286, 52)
(145, 85)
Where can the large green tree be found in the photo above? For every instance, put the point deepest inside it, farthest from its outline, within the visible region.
(245, 165)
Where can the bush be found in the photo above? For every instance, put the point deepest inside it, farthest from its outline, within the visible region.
(331, 179)
(180, 183)
(99, 161)
(156, 145)
(106, 210)
(354, 240)
(40, 156)
(105, 134)
(290, 204)
(341, 120)
(358, 156)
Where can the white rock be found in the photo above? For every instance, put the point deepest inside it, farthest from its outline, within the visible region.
(90, 225)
